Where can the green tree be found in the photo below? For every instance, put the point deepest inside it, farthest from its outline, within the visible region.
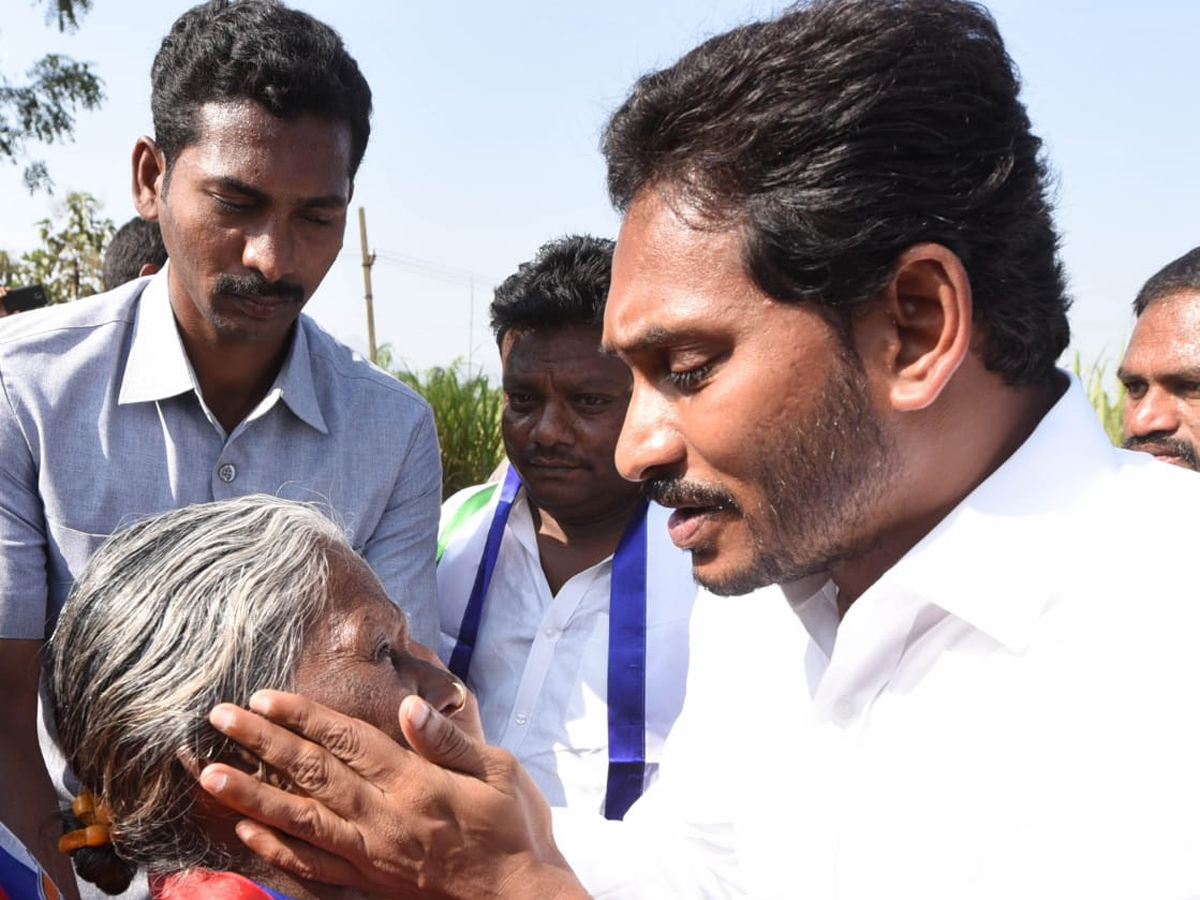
(41, 109)
(466, 409)
(68, 264)
(12, 270)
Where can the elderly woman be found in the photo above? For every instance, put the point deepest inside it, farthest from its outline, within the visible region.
(188, 609)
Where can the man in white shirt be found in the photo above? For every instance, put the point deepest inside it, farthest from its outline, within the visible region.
(526, 621)
(1161, 369)
(837, 287)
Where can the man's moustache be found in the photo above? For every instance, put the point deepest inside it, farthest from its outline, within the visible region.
(673, 491)
(248, 286)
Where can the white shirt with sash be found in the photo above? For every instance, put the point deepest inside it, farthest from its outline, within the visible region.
(540, 665)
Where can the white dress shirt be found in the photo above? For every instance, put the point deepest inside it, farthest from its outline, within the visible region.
(1009, 712)
(540, 667)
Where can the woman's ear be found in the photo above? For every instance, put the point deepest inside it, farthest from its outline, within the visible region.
(926, 312)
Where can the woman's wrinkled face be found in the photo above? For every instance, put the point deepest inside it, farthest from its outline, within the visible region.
(357, 657)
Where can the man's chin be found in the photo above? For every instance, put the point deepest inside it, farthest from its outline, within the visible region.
(726, 580)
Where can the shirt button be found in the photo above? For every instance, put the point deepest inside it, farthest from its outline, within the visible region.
(521, 718)
(227, 472)
(844, 709)
(552, 633)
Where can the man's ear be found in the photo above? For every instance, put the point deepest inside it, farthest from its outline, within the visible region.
(926, 311)
(149, 177)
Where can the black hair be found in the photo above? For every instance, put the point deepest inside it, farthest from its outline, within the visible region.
(282, 59)
(845, 131)
(136, 243)
(102, 866)
(1175, 277)
(565, 284)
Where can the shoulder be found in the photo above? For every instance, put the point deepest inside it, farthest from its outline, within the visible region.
(355, 376)
(67, 350)
(1147, 492)
(58, 327)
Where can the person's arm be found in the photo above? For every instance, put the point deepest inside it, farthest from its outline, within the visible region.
(401, 549)
(28, 803)
(374, 816)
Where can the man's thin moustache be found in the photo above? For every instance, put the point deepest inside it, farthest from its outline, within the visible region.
(677, 492)
(258, 287)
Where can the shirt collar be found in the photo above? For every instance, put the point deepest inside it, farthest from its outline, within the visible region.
(1010, 526)
(295, 380)
(158, 366)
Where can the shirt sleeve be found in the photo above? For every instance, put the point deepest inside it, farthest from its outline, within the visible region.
(23, 582)
(401, 550)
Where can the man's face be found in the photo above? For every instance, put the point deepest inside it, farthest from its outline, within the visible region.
(252, 216)
(564, 405)
(748, 415)
(357, 658)
(1161, 374)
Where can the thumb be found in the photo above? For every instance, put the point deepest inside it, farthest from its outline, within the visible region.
(439, 740)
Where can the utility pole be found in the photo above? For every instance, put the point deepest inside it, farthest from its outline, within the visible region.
(368, 261)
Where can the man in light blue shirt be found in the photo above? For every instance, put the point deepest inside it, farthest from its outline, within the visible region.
(205, 381)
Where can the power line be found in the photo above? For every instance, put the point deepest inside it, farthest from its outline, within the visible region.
(436, 271)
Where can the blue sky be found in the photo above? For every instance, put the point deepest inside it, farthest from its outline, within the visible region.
(488, 115)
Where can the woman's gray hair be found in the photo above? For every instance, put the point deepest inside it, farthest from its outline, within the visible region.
(178, 613)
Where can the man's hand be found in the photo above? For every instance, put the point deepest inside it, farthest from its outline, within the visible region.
(454, 819)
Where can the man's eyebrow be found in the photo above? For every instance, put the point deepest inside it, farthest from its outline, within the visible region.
(648, 339)
(240, 187)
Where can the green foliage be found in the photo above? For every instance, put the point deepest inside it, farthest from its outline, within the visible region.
(68, 264)
(42, 109)
(467, 411)
(1108, 406)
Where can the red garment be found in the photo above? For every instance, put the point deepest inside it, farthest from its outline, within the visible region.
(204, 884)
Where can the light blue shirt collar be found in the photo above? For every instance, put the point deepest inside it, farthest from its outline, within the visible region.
(159, 368)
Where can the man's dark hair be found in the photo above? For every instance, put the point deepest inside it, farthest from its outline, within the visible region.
(565, 284)
(845, 131)
(259, 50)
(137, 242)
(1176, 277)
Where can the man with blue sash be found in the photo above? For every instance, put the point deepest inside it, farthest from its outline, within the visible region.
(564, 605)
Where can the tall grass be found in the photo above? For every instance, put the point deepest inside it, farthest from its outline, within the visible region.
(466, 409)
(1108, 406)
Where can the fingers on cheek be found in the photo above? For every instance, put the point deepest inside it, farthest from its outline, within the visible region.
(297, 857)
(229, 785)
(345, 741)
(309, 770)
(248, 795)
